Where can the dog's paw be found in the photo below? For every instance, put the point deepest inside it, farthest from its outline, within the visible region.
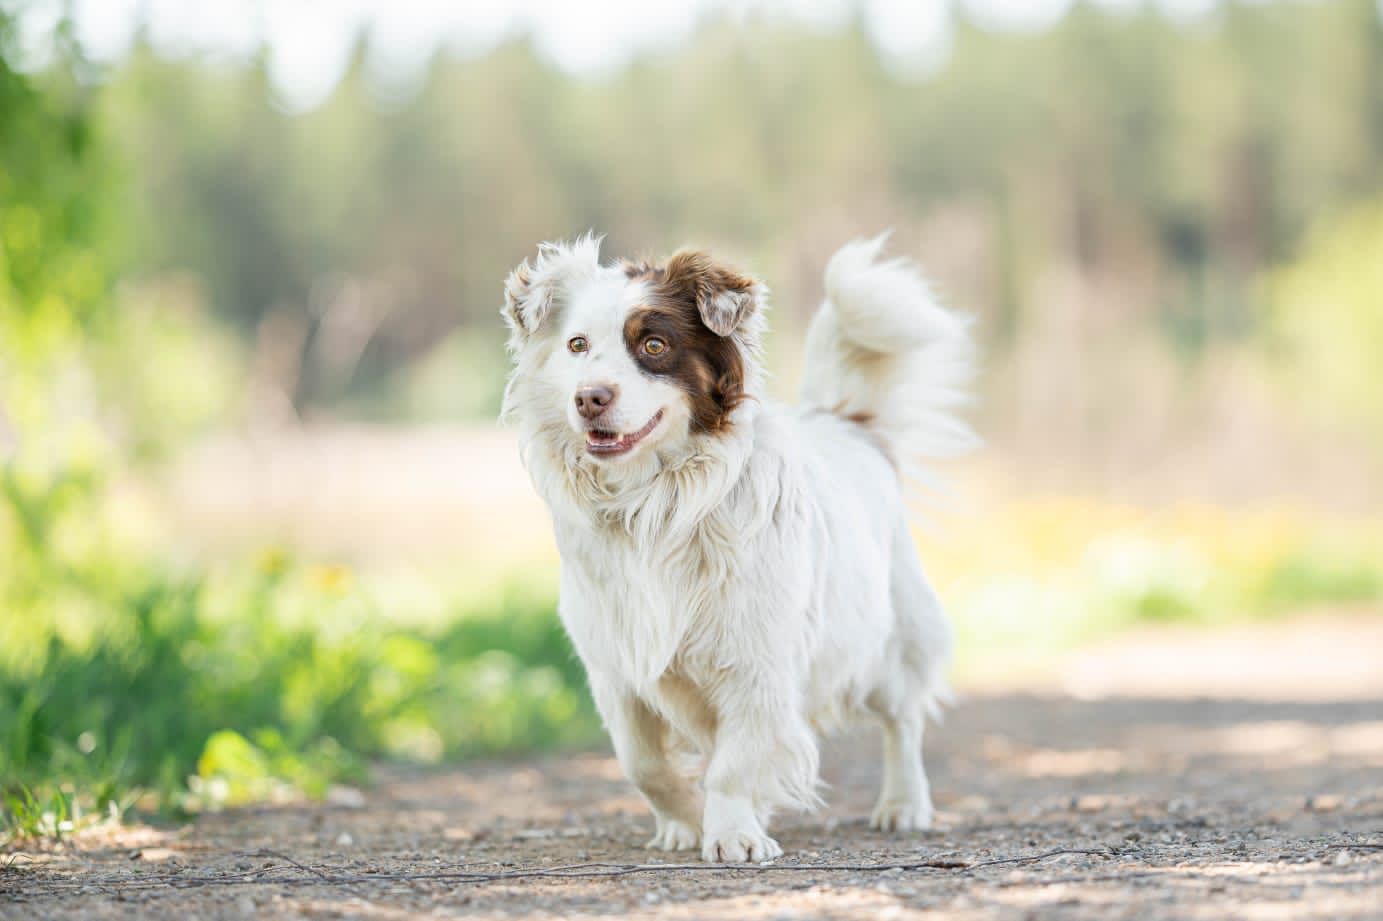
(674, 835)
(902, 815)
(740, 847)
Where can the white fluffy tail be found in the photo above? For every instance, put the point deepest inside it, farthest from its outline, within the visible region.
(882, 352)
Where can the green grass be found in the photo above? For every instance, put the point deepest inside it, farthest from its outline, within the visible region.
(205, 695)
(123, 681)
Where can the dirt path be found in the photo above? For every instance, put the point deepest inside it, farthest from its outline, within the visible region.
(1245, 804)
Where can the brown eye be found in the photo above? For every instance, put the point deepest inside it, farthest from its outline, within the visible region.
(655, 346)
(578, 344)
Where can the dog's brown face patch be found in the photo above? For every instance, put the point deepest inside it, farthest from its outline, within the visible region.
(708, 367)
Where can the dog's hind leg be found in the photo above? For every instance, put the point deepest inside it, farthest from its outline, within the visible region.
(640, 739)
(912, 687)
(905, 801)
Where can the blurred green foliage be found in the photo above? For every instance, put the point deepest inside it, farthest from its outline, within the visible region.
(55, 242)
(1165, 163)
(1328, 321)
(88, 371)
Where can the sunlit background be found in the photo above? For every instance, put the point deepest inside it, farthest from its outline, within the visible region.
(258, 525)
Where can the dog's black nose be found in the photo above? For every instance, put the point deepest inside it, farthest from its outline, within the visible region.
(592, 401)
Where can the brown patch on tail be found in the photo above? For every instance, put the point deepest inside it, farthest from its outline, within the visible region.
(864, 422)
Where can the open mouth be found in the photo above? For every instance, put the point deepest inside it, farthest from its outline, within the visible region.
(608, 444)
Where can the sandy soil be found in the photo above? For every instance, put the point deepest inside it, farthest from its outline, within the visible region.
(1214, 798)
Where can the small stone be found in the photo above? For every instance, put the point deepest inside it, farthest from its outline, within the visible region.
(1341, 858)
(344, 839)
(1090, 803)
(345, 797)
(1324, 802)
(530, 834)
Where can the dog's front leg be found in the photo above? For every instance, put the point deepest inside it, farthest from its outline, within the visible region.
(764, 756)
(640, 739)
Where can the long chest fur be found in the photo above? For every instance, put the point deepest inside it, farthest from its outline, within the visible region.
(633, 610)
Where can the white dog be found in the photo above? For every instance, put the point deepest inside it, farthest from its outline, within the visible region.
(738, 576)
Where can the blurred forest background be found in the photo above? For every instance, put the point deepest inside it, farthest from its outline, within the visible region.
(257, 525)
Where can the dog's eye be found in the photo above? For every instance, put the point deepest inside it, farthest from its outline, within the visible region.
(655, 346)
(578, 344)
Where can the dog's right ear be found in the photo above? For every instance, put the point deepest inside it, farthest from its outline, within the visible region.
(532, 290)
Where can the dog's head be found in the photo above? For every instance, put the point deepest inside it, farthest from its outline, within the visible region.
(627, 357)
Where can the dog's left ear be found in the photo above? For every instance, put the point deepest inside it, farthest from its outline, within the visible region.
(532, 290)
(724, 298)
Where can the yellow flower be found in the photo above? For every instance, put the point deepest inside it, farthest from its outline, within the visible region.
(331, 578)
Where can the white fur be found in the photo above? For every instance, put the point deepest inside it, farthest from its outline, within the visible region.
(734, 594)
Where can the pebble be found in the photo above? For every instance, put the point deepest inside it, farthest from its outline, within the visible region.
(1090, 803)
(345, 797)
(1324, 802)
